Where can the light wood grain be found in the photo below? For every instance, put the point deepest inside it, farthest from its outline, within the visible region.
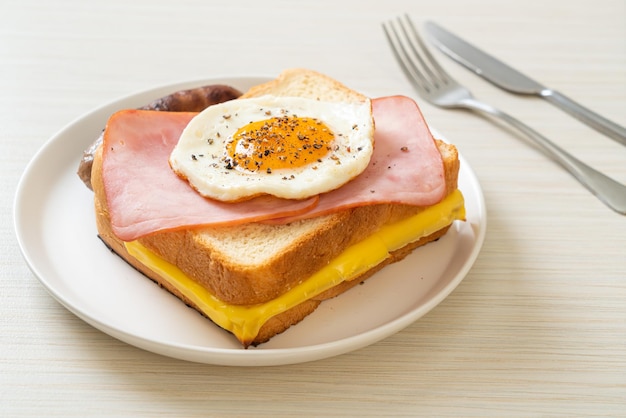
(537, 328)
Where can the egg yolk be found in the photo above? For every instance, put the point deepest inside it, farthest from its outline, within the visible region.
(279, 142)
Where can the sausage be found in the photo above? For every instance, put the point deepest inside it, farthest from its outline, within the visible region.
(191, 100)
(194, 100)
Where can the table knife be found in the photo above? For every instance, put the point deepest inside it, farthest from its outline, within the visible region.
(508, 78)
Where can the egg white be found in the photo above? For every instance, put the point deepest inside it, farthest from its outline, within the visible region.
(200, 156)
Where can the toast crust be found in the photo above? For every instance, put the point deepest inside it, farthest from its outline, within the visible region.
(308, 84)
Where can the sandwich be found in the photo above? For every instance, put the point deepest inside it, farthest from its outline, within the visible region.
(256, 246)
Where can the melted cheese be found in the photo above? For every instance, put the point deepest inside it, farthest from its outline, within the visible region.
(244, 321)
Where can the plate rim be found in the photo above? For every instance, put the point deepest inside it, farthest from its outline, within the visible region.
(227, 356)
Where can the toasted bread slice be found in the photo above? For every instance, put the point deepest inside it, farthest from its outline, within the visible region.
(308, 84)
(255, 263)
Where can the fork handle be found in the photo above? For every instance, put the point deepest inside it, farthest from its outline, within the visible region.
(599, 123)
(609, 191)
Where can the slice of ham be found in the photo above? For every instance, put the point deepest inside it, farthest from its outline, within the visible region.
(145, 196)
(406, 166)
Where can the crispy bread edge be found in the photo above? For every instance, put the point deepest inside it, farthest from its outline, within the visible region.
(305, 83)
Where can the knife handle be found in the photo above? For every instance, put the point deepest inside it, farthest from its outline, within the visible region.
(589, 117)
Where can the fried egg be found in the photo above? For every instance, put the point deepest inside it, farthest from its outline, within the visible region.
(289, 147)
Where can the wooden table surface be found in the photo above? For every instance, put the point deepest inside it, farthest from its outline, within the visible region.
(537, 327)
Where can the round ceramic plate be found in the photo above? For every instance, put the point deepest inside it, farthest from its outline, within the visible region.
(56, 231)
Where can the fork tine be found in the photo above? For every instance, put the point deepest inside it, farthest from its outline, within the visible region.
(411, 32)
(402, 56)
(420, 67)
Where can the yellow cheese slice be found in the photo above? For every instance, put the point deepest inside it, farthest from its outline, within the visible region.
(244, 321)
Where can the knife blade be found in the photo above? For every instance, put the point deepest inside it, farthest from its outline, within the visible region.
(510, 79)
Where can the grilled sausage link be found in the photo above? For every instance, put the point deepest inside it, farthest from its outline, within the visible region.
(192, 100)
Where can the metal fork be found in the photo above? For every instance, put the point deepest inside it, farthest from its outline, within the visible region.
(436, 86)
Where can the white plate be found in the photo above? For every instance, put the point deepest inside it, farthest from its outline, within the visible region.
(56, 231)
